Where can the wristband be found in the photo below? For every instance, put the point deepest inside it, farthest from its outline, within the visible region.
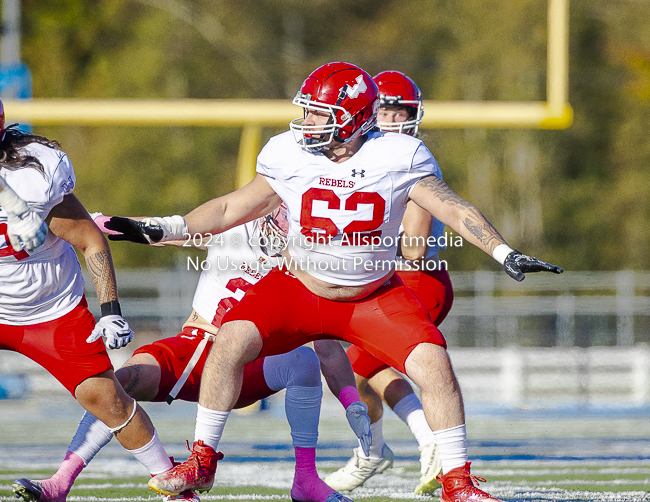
(348, 396)
(111, 308)
(501, 252)
(173, 227)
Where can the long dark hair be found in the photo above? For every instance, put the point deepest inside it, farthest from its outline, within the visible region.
(12, 154)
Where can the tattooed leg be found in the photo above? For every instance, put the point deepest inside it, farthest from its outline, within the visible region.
(140, 377)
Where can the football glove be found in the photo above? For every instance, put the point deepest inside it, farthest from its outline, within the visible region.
(26, 230)
(517, 263)
(115, 329)
(147, 231)
(357, 415)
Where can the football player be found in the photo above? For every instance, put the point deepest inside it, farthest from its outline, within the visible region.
(401, 111)
(171, 368)
(43, 310)
(346, 188)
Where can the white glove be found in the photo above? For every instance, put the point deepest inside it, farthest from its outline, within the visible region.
(115, 329)
(25, 228)
(357, 415)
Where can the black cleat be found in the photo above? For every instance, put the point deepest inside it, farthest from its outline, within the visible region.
(29, 491)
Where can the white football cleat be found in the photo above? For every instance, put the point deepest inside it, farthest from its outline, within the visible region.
(430, 467)
(358, 470)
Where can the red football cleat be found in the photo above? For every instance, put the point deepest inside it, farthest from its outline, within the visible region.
(458, 485)
(196, 473)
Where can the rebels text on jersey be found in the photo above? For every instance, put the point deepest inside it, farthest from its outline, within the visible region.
(236, 262)
(47, 283)
(344, 217)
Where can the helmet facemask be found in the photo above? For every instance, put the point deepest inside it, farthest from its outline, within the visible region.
(415, 112)
(398, 90)
(317, 137)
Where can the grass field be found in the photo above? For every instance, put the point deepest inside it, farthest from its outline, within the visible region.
(508, 480)
(526, 455)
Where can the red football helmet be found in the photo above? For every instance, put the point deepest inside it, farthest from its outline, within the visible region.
(274, 228)
(396, 89)
(344, 91)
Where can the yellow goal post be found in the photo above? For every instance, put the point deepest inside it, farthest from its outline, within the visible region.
(253, 114)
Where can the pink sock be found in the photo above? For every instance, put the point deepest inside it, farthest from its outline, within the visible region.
(56, 488)
(306, 483)
(348, 396)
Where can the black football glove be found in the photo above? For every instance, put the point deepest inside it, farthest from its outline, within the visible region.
(517, 264)
(134, 231)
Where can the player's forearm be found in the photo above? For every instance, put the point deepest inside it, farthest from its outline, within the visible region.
(477, 230)
(100, 268)
(208, 218)
(417, 228)
(432, 194)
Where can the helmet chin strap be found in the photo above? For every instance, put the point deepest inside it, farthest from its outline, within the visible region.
(342, 94)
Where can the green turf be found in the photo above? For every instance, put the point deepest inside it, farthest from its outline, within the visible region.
(525, 482)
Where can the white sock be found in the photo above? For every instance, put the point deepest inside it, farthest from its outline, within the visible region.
(302, 407)
(153, 456)
(377, 445)
(452, 447)
(91, 436)
(209, 426)
(409, 409)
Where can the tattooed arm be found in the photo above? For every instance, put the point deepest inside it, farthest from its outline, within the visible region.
(433, 194)
(70, 221)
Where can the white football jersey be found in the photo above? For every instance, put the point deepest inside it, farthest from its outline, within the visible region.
(344, 218)
(47, 283)
(236, 262)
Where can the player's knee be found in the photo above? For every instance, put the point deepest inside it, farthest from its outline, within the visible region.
(238, 341)
(127, 376)
(305, 368)
(429, 364)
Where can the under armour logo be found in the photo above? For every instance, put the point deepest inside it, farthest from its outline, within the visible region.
(355, 90)
(119, 322)
(360, 173)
